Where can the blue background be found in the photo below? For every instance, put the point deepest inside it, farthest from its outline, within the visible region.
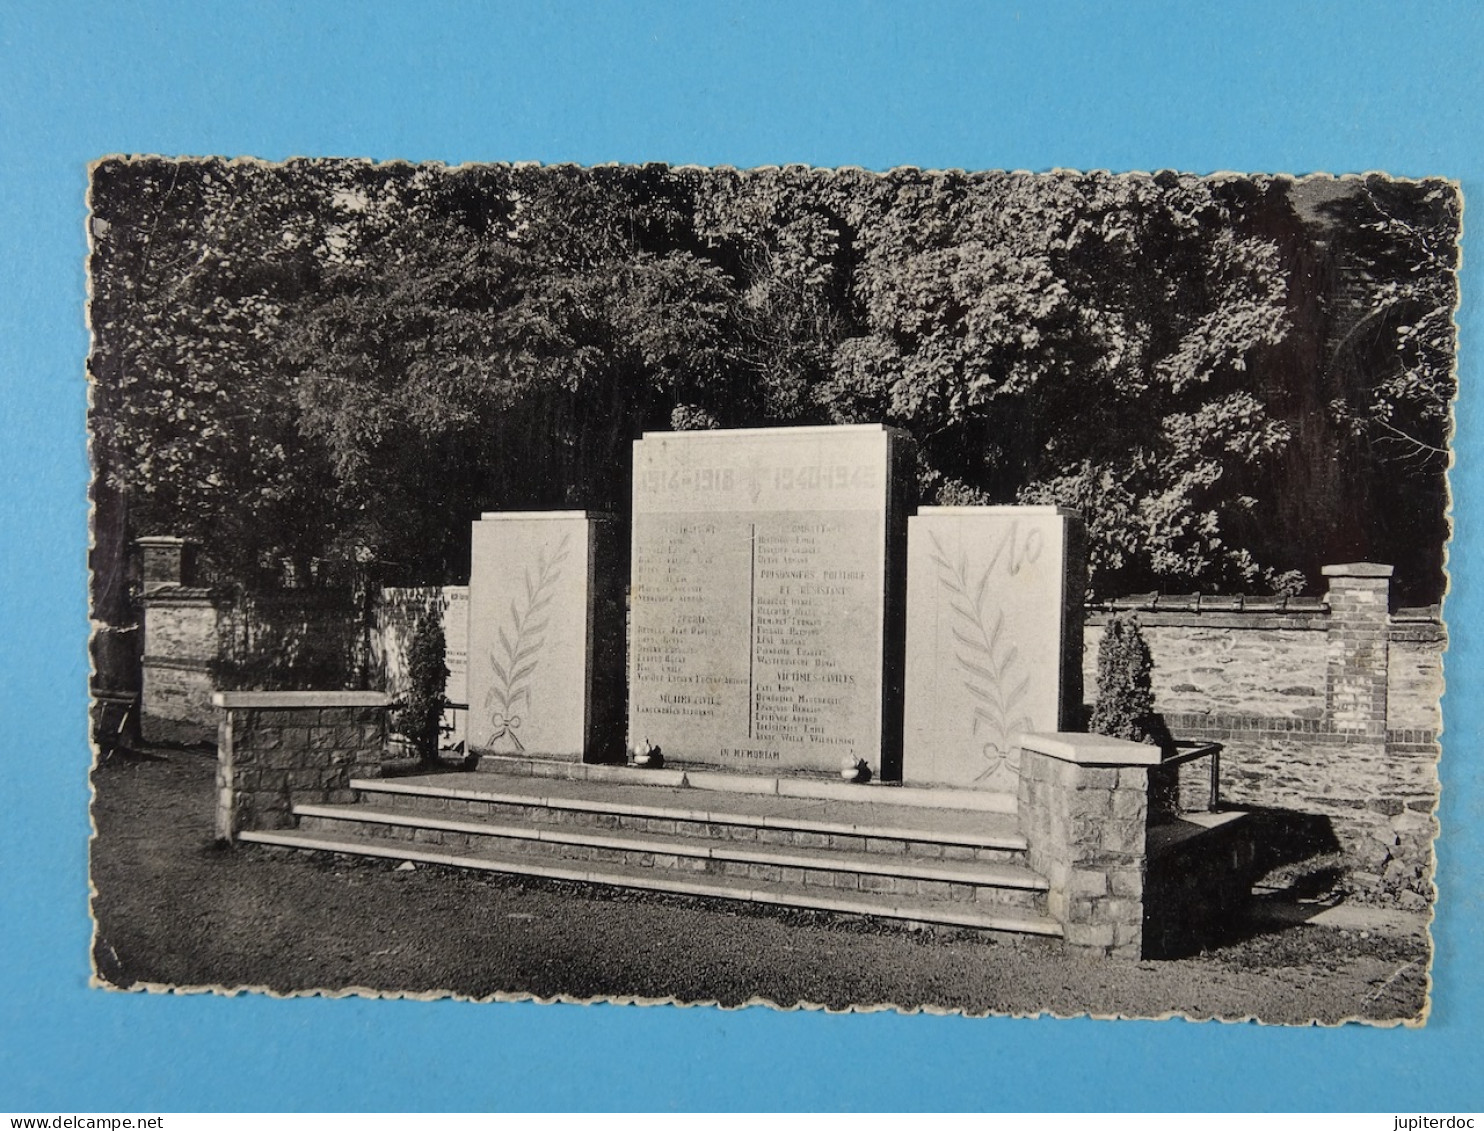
(1340, 87)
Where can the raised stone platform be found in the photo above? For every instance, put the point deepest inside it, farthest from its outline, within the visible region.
(874, 793)
(1072, 855)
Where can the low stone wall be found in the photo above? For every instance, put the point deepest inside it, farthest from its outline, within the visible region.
(1084, 811)
(1377, 797)
(1197, 882)
(279, 748)
(1132, 873)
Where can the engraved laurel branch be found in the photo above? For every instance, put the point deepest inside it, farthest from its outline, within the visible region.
(986, 660)
(518, 651)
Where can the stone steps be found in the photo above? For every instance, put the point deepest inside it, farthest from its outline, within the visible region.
(899, 874)
(707, 814)
(974, 916)
(914, 857)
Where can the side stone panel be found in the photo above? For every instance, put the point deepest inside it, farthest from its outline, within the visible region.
(994, 638)
(543, 677)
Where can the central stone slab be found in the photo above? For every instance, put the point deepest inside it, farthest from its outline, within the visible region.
(767, 602)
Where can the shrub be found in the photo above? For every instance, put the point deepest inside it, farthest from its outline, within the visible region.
(1125, 702)
(427, 675)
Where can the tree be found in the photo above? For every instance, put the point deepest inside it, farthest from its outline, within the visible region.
(197, 266)
(783, 239)
(342, 360)
(1370, 385)
(460, 359)
(1394, 335)
(1081, 339)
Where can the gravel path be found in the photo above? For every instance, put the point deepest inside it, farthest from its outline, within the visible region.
(176, 909)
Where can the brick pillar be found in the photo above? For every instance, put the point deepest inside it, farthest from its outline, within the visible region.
(1083, 807)
(167, 561)
(1360, 619)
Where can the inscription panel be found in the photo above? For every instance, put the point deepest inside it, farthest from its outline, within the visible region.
(456, 642)
(757, 619)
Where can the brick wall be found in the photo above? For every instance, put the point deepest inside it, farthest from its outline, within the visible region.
(1328, 708)
(1233, 664)
(1415, 676)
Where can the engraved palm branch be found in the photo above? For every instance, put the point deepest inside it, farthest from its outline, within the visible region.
(517, 652)
(986, 660)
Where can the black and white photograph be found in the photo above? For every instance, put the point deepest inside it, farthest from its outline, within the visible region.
(988, 592)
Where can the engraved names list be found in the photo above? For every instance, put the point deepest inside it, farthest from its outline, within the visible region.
(759, 618)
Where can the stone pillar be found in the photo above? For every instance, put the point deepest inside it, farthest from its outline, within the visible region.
(1360, 620)
(167, 561)
(1083, 809)
(276, 749)
(180, 646)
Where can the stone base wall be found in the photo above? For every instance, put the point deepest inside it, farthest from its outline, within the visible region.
(277, 749)
(1378, 796)
(1084, 810)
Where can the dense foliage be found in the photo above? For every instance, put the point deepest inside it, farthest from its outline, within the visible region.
(1235, 379)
